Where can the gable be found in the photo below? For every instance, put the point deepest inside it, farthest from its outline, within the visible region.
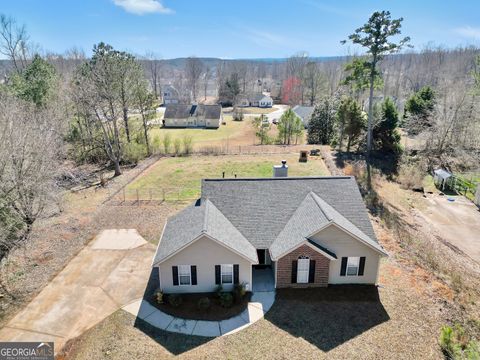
(341, 242)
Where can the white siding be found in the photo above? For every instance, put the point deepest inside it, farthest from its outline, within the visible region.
(205, 254)
(343, 244)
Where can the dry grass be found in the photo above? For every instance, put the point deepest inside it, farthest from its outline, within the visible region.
(397, 322)
(181, 176)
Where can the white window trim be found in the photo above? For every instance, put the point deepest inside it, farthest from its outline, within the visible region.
(353, 261)
(226, 273)
(304, 272)
(189, 267)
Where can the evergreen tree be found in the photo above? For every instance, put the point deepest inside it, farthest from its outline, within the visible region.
(321, 128)
(351, 122)
(376, 36)
(386, 135)
(36, 83)
(418, 110)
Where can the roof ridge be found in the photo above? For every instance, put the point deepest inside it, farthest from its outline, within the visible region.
(344, 177)
(205, 219)
(314, 196)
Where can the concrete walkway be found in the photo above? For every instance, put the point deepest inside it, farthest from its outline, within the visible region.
(260, 303)
(109, 273)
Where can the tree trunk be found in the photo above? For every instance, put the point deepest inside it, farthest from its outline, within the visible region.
(349, 143)
(118, 172)
(125, 120)
(145, 132)
(370, 109)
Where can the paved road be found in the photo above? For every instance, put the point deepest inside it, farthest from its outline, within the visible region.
(111, 272)
(280, 109)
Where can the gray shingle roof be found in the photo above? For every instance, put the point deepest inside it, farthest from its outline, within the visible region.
(304, 112)
(183, 111)
(260, 208)
(269, 213)
(202, 217)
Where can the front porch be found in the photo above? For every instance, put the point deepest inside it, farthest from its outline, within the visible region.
(263, 279)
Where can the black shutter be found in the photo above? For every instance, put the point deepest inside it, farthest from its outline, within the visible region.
(294, 271)
(343, 270)
(175, 275)
(193, 272)
(217, 274)
(236, 269)
(361, 266)
(311, 272)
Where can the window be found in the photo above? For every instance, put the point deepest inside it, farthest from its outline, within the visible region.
(303, 267)
(352, 265)
(184, 275)
(227, 273)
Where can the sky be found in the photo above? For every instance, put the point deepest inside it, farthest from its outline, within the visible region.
(236, 29)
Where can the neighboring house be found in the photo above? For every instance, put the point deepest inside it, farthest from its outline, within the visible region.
(184, 115)
(170, 95)
(309, 231)
(304, 113)
(255, 100)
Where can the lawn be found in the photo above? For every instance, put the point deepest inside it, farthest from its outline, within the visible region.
(238, 132)
(180, 177)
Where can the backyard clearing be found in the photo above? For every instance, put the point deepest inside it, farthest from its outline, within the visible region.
(109, 273)
(180, 177)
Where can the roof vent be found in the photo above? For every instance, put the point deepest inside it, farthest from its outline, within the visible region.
(280, 170)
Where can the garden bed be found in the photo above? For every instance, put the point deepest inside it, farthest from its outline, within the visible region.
(189, 307)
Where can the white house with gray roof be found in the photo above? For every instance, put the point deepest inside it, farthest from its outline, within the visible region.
(305, 231)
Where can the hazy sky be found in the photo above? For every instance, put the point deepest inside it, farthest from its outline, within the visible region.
(233, 28)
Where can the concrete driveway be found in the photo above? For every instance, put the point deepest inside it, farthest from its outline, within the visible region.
(458, 222)
(109, 273)
(277, 114)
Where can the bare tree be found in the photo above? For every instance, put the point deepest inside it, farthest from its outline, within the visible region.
(30, 143)
(14, 42)
(312, 79)
(206, 78)
(193, 71)
(154, 67)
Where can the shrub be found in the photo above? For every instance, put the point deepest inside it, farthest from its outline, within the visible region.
(226, 299)
(133, 153)
(175, 300)
(455, 343)
(177, 146)
(156, 144)
(159, 296)
(203, 303)
(187, 144)
(237, 114)
(239, 292)
(219, 290)
(167, 143)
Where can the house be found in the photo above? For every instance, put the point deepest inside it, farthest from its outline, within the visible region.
(304, 113)
(184, 115)
(170, 95)
(255, 100)
(305, 231)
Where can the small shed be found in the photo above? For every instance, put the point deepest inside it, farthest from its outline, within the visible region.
(440, 178)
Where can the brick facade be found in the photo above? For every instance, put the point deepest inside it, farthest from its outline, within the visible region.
(284, 268)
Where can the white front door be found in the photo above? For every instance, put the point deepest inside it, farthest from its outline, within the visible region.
(302, 270)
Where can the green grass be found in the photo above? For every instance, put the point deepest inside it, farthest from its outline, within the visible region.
(180, 177)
